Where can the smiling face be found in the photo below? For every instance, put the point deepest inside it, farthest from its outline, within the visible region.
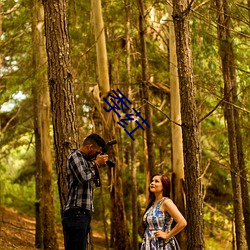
(156, 184)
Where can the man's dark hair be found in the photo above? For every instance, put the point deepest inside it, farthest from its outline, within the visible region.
(94, 139)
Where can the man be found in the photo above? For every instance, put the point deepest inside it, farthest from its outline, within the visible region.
(82, 170)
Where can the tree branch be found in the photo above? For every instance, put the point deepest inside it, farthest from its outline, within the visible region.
(144, 100)
(10, 120)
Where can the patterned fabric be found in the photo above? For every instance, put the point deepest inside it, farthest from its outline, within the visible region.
(80, 179)
(155, 220)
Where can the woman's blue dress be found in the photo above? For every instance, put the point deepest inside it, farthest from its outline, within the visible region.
(155, 220)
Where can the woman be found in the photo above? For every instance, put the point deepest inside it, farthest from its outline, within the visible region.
(159, 215)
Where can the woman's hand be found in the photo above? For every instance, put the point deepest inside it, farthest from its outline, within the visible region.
(161, 234)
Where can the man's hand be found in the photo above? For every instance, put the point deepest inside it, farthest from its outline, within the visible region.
(101, 160)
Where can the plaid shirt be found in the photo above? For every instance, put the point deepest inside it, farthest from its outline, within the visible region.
(80, 179)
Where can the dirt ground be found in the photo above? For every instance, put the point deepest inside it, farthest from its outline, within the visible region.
(18, 232)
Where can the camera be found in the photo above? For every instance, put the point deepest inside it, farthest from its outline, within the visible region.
(110, 162)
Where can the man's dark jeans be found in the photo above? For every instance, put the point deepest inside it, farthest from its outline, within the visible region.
(76, 226)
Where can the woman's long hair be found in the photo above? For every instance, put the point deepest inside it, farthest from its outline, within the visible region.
(166, 185)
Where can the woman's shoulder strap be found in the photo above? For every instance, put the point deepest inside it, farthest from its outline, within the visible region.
(163, 199)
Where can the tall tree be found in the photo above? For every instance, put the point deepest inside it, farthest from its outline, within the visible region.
(243, 178)
(145, 90)
(248, 3)
(120, 239)
(61, 87)
(231, 115)
(1, 30)
(132, 143)
(101, 51)
(46, 237)
(181, 17)
(176, 132)
(1, 61)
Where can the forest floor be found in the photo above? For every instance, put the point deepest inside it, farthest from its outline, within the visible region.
(18, 232)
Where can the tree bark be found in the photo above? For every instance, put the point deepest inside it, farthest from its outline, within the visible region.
(105, 226)
(121, 235)
(1, 62)
(145, 91)
(248, 4)
(132, 143)
(176, 132)
(61, 87)
(46, 237)
(181, 16)
(1, 31)
(243, 178)
(120, 239)
(101, 51)
(231, 116)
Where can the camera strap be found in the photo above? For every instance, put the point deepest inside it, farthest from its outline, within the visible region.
(97, 179)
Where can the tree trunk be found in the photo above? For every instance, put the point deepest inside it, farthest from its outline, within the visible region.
(117, 204)
(243, 179)
(1, 31)
(121, 236)
(46, 237)
(176, 132)
(132, 143)
(61, 88)
(145, 90)
(189, 127)
(104, 219)
(248, 3)
(101, 51)
(134, 196)
(1, 62)
(230, 93)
